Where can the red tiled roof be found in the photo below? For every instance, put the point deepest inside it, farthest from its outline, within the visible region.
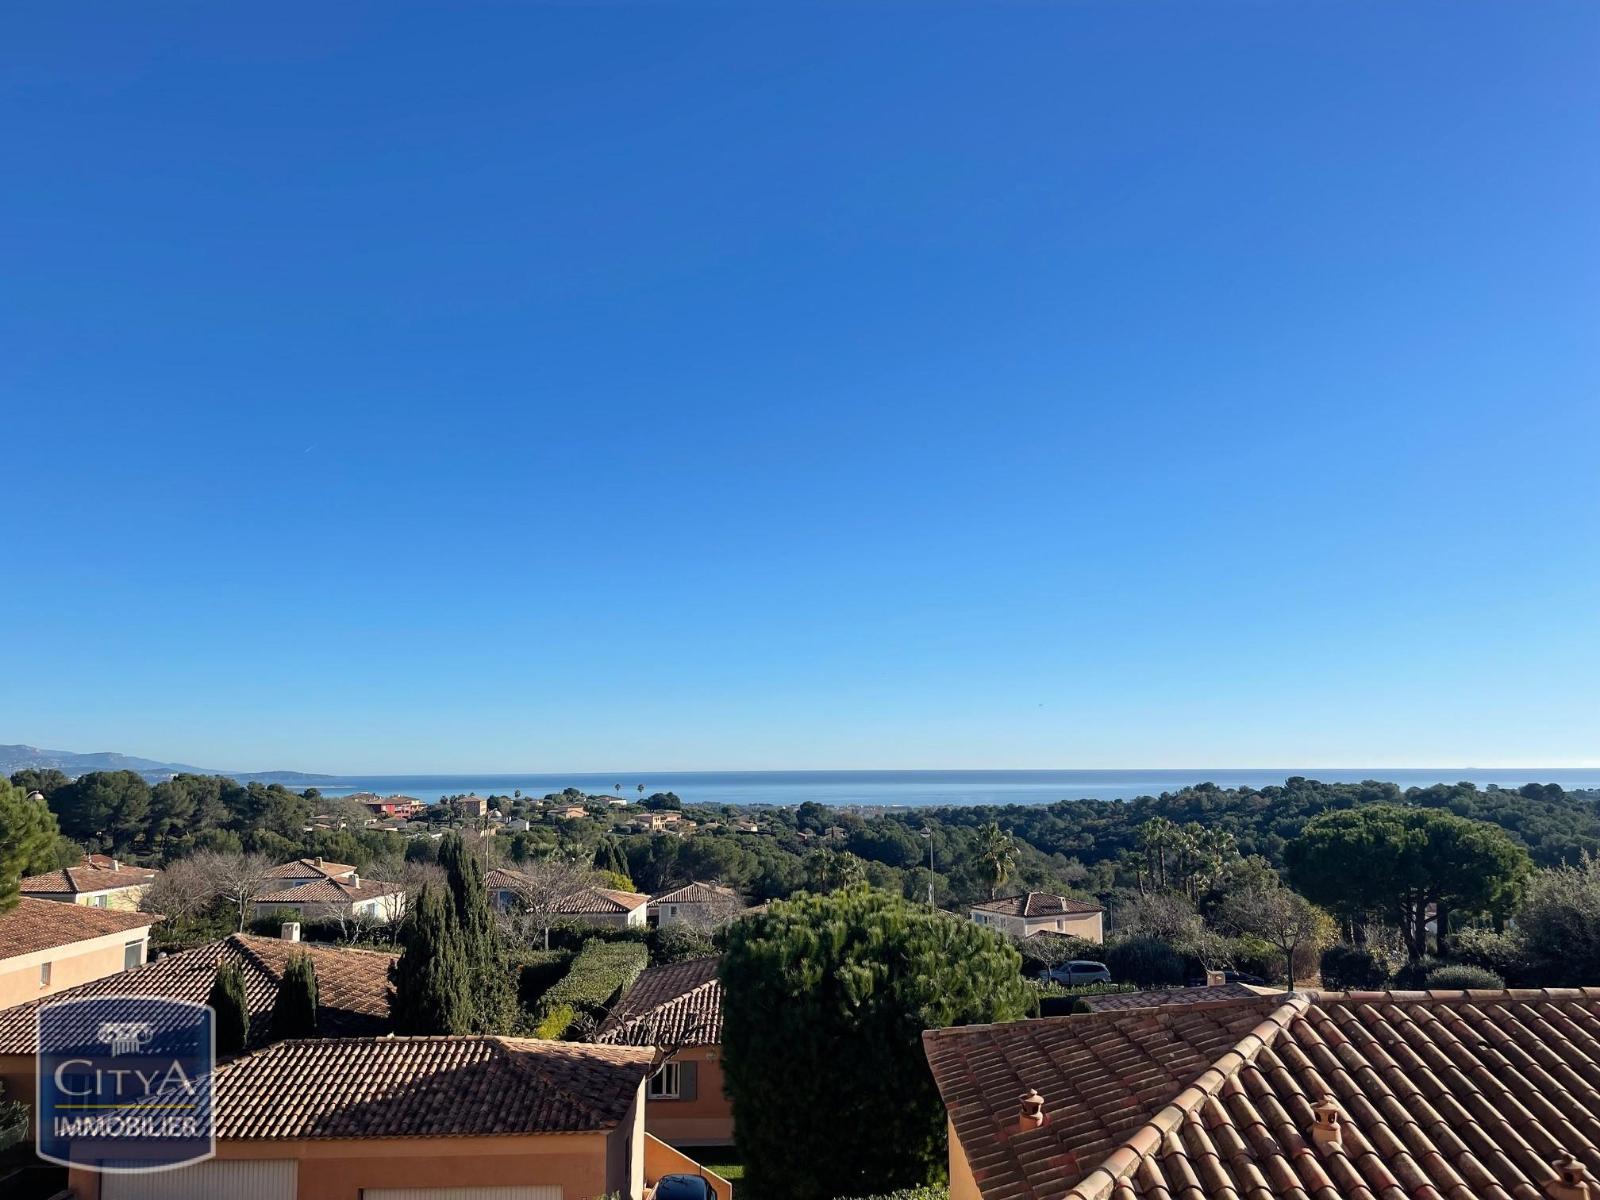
(73, 880)
(600, 900)
(309, 868)
(1157, 997)
(1425, 1096)
(331, 891)
(352, 986)
(679, 1004)
(427, 1087)
(35, 925)
(698, 893)
(1037, 904)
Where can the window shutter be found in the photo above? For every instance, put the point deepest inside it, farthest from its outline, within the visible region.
(688, 1084)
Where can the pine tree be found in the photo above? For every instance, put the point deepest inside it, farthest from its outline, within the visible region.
(431, 979)
(233, 1016)
(865, 971)
(294, 1012)
(492, 998)
(28, 837)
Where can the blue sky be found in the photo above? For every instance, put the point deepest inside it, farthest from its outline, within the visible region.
(511, 387)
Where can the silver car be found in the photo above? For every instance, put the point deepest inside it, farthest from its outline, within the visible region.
(1078, 972)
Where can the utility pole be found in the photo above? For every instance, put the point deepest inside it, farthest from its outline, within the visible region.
(927, 836)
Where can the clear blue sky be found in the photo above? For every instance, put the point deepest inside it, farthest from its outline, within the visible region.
(508, 387)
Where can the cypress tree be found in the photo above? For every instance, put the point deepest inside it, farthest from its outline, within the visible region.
(491, 994)
(228, 1002)
(431, 980)
(824, 1002)
(294, 1012)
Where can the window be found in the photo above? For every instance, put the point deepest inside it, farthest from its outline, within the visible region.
(100, 901)
(44, 974)
(665, 1083)
(132, 955)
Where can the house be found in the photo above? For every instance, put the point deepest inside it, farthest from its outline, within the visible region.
(308, 870)
(394, 806)
(678, 1008)
(702, 905)
(605, 907)
(1041, 912)
(47, 947)
(98, 882)
(1483, 1095)
(518, 825)
(348, 898)
(352, 994)
(653, 822)
(422, 1118)
(472, 806)
(571, 812)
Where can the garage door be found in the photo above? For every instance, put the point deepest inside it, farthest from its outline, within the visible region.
(263, 1179)
(519, 1192)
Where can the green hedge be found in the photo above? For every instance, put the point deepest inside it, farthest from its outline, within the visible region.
(556, 1022)
(538, 971)
(600, 973)
(929, 1192)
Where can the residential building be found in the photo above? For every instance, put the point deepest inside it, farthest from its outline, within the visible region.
(505, 887)
(1461, 1095)
(308, 870)
(422, 1118)
(678, 1008)
(518, 825)
(473, 806)
(394, 806)
(654, 822)
(570, 812)
(352, 994)
(46, 947)
(98, 882)
(702, 905)
(348, 898)
(605, 907)
(1041, 912)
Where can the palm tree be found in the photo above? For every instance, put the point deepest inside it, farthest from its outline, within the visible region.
(641, 791)
(998, 853)
(1155, 839)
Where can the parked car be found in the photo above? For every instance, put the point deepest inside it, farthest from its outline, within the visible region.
(1078, 972)
(683, 1187)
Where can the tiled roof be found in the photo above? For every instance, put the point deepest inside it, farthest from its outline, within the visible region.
(698, 893)
(1422, 1096)
(679, 1004)
(309, 868)
(600, 900)
(427, 1087)
(504, 879)
(352, 986)
(1156, 997)
(35, 925)
(87, 879)
(1037, 904)
(331, 891)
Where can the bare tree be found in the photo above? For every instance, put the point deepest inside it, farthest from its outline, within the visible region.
(236, 878)
(1286, 919)
(540, 888)
(185, 888)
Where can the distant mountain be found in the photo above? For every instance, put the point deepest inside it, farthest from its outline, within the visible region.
(22, 758)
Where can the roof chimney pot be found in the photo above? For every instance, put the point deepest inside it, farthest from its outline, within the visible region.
(1325, 1131)
(1572, 1181)
(289, 931)
(317, 861)
(1032, 1112)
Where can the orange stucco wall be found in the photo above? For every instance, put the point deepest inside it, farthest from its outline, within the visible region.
(962, 1185)
(707, 1120)
(70, 965)
(661, 1159)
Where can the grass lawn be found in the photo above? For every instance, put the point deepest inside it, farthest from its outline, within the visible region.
(725, 1161)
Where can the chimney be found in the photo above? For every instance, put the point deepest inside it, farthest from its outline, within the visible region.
(1215, 979)
(1325, 1132)
(317, 862)
(1572, 1181)
(1032, 1113)
(355, 879)
(289, 931)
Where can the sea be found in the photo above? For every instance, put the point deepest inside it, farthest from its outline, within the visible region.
(917, 789)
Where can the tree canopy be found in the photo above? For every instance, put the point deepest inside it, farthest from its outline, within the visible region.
(28, 839)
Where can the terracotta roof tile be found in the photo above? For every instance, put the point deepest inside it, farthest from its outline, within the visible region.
(427, 1087)
(35, 925)
(331, 891)
(601, 900)
(352, 986)
(1159, 997)
(1037, 904)
(73, 880)
(679, 1004)
(698, 893)
(1435, 1096)
(310, 868)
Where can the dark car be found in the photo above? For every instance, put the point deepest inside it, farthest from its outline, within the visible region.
(683, 1187)
(1078, 972)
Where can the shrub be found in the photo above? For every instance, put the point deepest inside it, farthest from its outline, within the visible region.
(1145, 960)
(916, 1193)
(1560, 923)
(1045, 950)
(1462, 976)
(600, 973)
(538, 971)
(1505, 954)
(1414, 975)
(678, 943)
(1353, 968)
(556, 1022)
